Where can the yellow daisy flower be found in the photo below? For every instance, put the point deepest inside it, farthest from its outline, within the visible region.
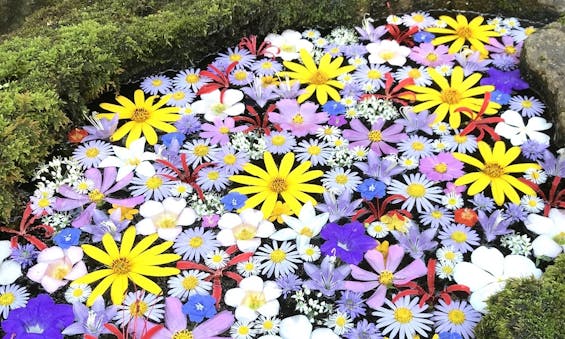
(461, 31)
(494, 172)
(320, 79)
(267, 184)
(128, 263)
(459, 93)
(144, 117)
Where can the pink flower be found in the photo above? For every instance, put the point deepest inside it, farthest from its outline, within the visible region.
(428, 55)
(56, 267)
(299, 119)
(441, 167)
(218, 133)
(385, 274)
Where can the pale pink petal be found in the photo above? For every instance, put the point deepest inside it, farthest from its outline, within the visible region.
(375, 260)
(78, 270)
(51, 285)
(378, 298)
(36, 272)
(361, 286)
(51, 254)
(360, 274)
(175, 319)
(74, 253)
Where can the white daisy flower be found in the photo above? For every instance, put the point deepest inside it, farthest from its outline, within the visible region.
(403, 319)
(309, 252)
(217, 259)
(83, 185)
(532, 203)
(249, 267)
(537, 176)
(449, 254)
(277, 261)
(408, 162)
(77, 293)
(189, 283)
(243, 330)
(140, 304)
(12, 297)
(339, 322)
(377, 229)
(452, 201)
(339, 180)
(267, 325)
(419, 191)
(444, 269)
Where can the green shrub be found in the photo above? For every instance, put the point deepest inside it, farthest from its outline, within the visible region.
(528, 308)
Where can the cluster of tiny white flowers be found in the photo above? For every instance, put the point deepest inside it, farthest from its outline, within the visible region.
(252, 143)
(310, 305)
(343, 36)
(210, 205)
(58, 220)
(342, 157)
(372, 108)
(519, 244)
(57, 172)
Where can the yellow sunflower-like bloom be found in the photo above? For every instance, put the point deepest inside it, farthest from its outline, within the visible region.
(459, 93)
(494, 171)
(461, 31)
(144, 117)
(267, 184)
(320, 79)
(127, 263)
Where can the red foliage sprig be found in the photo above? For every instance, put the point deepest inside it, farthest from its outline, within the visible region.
(258, 123)
(402, 37)
(26, 226)
(250, 44)
(378, 209)
(220, 80)
(479, 123)
(555, 198)
(394, 93)
(185, 175)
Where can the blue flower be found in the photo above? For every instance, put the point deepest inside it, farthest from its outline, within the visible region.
(169, 137)
(500, 97)
(67, 237)
(333, 107)
(371, 188)
(199, 307)
(450, 335)
(423, 36)
(233, 201)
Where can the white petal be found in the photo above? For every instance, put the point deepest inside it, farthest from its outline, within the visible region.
(187, 217)
(229, 221)
(324, 333)
(145, 169)
(234, 297)
(284, 234)
(145, 227)
(270, 309)
(271, 290)
(295, 327)
(479, 297)
(489, 259)
(513, 118)
(250, 245)
(538, 124)
(545, 246)
(10, 271)
(251, 216)
(253, 283)
(174, 205)
(518, 266)
(226, 238)
(5, 249)
(265, 229)
(169, 234)
(74, 253)
(151, 208)
(232, 96)
(471, 275)
(50, 254)
(505, 130)
(539, 224)
(244, 313)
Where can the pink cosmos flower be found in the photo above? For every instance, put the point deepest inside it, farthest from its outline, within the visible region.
(56, 267)
(299, 119)
(428, 55)
(385, 274)
(218, 133)
(441, 167)
(376, 137)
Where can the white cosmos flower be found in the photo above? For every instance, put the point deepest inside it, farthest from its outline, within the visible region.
(244, 229)
(488, 271)
(287, 45)
(387, 51)
(299, 327)
(551, 233)
(129, 159)
(307, 225)
(214, 106)
(165, 218)
(10, 270)
(254, 297)
(513, 128)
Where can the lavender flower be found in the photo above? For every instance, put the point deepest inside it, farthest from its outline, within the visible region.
(289, 283)
(25, 255)
(261, 95)
(505, 81)
(552, 165)
(415, 122)
(91, 321)
(326, 278)
(104, 223)
(533, 150)
(188, 124)
(483, 202)
(101, 129)
(364, 330)
(380, 168)
(416, 242)
(340, 207)
(348, 242)
(494, 225)
(514, 212)
(351, 303)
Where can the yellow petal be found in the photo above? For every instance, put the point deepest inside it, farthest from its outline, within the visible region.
(99, 290)
(469, 160)
(110, 246)
(97, 254)
(145, 283)
(93, 276)
(468, 178)
(270, 165)
(142, 245)
(119, 287)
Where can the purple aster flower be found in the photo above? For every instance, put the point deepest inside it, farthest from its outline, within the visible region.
(180, 97)
(514, 212)
(25, 255)
(377, 167)
(334, 50)
(494, 225)
(377, 138)
(241, 77)
(103, 186)
(373, 75)
(280, 142)
(288, 89)
(266, 67)
(354, 50)
(104, 223)
(67, 237)
(456, 317)
(101, 129)
(533, 150)
(416, 242)
(230, 160)
(507, 47)
(353, 90)
(200, 307)
(212, 178)
(371, 188)
(552, 165)
(156, 84)
(347, 242)
(416, 146)
(91, 321)
(441, 167)
(483, 202)
(527, 106)
(188, 124)
(436, 217)
(327, 278)
(40, 318)
(242, 56)
(385, 274)
(472, 63)
(370, 32)
(351, 303)
(505, 81)
(428, 55)
(364, 330)
(461, 237)
(289, 283)
(298, 119)
(415, 122)
(504, 62)
(259, 93)
(340, 207)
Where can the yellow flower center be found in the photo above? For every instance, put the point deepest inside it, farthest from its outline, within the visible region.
(560, 238)
(249, 266)
(375, 136)
(121, 266)
(133, 161)
(459, 236)
(414, 73)
(387, 55)
(441, 167)
(493, 170)
(314, 150)
(306, 231)
(437, 214)
(96, 196)
(373, 74)
(341, 179)
(277, 256)
(403, 315)
(153, 182)
(318, 78)
(218, 108)
(298, 119)
(179, 95)
(268, 81)
(200, 150)
(58, 270)
(309, 251)
(510, 50)
(7, 299)
(418, 18)
(278, 185)
(267, 65)
(235, 57)
(268, 325)
(449, 255)
(386, 277)
(456, 316)
(195, 242)
(43, 202)
(417, 146)
(460, 139)
(224, 130)
(431, 57)
(254, 300)
(230, 159)
(190, 282)
(183, 334)
(526, 104)
(140, 114)
(92, 152)
(340, 321)
(243, 330)
(217, 258)
(192, 78)
(447, 269)
(278, 140)
(288, 48)
(213, 175)
(78, 292)
(156, 82)
(166, 221)
(138, 308)
(416, 190)
(244, 232)
(464, 32)
(240, 75)
(450, 96)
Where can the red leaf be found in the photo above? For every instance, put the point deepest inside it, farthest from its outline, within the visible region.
(190, 265)
(112, 328)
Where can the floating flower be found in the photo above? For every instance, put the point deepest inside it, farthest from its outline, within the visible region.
(403, 319)
(494, 172)
(144, 116)
(254, 297)
(550, 241)
(307, 225)
(387, 51)
(56, 267)
(165, 218)
(287, 45)
(10, 270)
(513, 128)
(244, 229)
(217, 105)
(128, 262)
(12, 297)
(320, 79)
(347, 242)
(300, 327)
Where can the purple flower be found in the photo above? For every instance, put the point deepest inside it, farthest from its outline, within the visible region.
(415, 122)
(472, 63)
(441, 167)
(385, 274)
(371, 188)
(333, 108)
(378, 167)
(377, 138)
(494, 225)
(261, 95)
(218, 133)
(340, 207)
(200, 307)
(101, 129)
(169, 137)
(326, 278)
(103, 186)
(364, 330)
(514, 212)
(370, 32)
(416, 242)
(91, 321)
(67, 237)
(461, 237)
(533, 150)
(423, 36)
(103, 223)
(187, 124)
(347, 242)
(552, 165)
(299, 119)
(351, 303)
(40, 318)
(505, 81)
(289, 283)
(428, 55)
(25, 255)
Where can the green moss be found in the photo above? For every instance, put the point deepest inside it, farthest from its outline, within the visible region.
(528, 308)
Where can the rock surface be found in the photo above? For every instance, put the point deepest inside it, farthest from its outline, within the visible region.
(543, 64)
(557, 5)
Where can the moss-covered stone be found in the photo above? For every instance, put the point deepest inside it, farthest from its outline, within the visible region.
(528, 308)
